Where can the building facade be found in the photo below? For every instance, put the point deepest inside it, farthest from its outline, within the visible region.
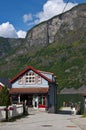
(36, 88)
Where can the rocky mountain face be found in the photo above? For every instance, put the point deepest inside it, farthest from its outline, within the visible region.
(57, 45)
(46, 32)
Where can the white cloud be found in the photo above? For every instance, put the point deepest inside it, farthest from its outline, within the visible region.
(7, 30)
(21, 34)
(52, 8)
(27, 17)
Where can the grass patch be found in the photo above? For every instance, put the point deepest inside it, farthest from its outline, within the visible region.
(84, 116)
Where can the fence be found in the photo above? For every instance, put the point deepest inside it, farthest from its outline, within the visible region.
(13, 111)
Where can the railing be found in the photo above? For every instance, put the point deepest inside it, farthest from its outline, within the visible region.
(13, 111)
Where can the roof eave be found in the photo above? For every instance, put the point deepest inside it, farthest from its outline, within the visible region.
(30, 68)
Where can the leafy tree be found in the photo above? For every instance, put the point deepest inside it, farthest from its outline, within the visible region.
(5, 99)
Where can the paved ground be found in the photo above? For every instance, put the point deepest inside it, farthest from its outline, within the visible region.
(46, 121)
(81, 122)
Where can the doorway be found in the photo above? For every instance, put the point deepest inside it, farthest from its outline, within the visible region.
(35, 102)
(30, 99)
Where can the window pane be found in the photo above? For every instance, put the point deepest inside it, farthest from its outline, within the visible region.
(30, 78)
(20, 81)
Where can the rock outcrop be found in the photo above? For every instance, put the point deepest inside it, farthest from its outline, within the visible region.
(47, 31)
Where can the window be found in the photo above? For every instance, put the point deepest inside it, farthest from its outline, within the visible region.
(30, 78)
(20, 81)
(15, 99)
(42, 102)
(39, 79)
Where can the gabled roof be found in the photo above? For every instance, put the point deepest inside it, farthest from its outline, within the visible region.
(1, 84)
(81, 90)
(40, 71)
(5, 82)
(30, 68)
(45, 72)
(84, 94)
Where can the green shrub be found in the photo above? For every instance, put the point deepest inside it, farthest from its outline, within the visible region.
(4, 97)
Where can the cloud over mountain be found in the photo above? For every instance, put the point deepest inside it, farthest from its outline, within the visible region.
(50, 9)
(7, 30)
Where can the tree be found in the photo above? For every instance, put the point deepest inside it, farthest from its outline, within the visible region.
(5, 99)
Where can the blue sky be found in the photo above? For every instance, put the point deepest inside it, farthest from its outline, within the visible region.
(18, 16)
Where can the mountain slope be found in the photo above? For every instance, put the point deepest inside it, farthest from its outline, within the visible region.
(57, 45)
(7, 46)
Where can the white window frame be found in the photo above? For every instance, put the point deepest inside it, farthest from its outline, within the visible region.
(20, 81)
(39, 79)
(30, 78)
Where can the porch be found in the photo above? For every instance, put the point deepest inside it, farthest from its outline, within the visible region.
(32, 101)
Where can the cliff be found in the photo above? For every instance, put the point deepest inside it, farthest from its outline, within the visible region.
(58, 27)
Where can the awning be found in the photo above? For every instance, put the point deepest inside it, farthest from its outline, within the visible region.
(28, 90)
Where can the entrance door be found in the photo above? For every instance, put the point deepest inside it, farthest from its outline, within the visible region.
(30, 98)
(35, 102)
(42, 101)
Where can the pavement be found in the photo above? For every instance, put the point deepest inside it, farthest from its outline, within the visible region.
(46, 121)
(81, 122)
